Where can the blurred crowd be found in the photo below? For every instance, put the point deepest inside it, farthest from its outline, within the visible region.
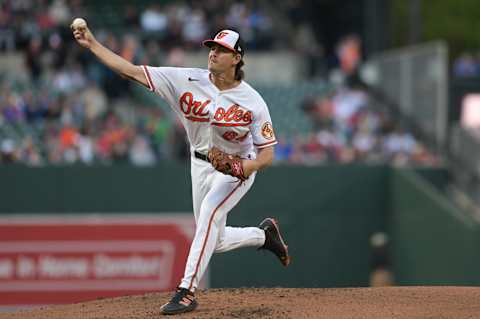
(165, 29)
(350, 126)
(65, 107)
(185, 24)
(60, 128)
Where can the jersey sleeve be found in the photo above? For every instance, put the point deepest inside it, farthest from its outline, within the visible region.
(262, 129)
(161, 80)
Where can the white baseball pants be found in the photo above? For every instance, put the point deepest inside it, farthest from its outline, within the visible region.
(214, 195)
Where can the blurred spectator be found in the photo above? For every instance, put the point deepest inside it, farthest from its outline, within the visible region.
(130, 50)
(12, 108)
(152, 55)
(141, 153)
(159, 127)
(29, 153)
(466, 66)
(349, 54)
(32, 57)
(153, 19)
(347, 103)
(364, 143)
(312, 152)
(59, 12)
(195, 28)
(399, 143)
(95, 102)
(319, 110)
(251, 21)
(7, 35)
(381, 274)
(177, 140)
(54, 108)
(34, 111)
(8, 152)
(176, 57)
(283, 150)
(86, 146)
(112, 139)
(69, 79)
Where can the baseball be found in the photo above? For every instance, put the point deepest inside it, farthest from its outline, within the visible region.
(78, 23)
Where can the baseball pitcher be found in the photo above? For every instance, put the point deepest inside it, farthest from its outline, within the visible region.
(231, 138)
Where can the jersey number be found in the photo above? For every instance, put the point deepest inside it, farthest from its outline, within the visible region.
(233, 136)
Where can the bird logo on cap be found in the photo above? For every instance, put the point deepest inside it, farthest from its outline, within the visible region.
(221, 35)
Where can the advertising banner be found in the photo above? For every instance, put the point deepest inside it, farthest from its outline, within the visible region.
(64, 259)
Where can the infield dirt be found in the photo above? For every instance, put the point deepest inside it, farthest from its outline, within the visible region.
(295, 303)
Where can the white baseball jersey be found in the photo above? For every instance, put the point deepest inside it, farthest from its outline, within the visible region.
(235, 120)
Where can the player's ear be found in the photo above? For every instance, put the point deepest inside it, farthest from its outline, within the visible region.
(237, 58)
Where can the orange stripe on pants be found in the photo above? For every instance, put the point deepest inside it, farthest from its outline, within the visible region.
(208, 233)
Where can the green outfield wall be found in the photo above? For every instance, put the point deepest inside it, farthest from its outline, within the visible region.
(433, 242)
(327, 213)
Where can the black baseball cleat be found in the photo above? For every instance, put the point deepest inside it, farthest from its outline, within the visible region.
(274, 241)
(182, 301)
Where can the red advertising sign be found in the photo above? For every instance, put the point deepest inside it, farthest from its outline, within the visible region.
(57, 259)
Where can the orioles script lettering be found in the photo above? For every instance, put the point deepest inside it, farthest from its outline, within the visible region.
(234, 114)
(193, 110)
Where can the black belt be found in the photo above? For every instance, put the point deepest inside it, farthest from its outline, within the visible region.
(201, 156)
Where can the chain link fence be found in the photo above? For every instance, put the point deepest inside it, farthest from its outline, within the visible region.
(415, 80)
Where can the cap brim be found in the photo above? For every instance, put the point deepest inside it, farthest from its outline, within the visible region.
(208, 43)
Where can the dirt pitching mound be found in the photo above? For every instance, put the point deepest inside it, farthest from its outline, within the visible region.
(371, 303)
